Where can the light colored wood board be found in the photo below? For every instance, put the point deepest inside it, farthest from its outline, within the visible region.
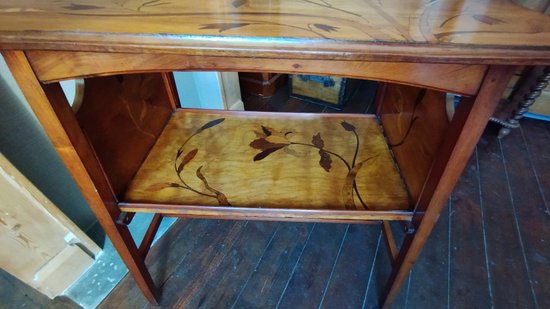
(456, 78)
(292, 176)
(469, 29)
(415, 123)
(28, 237)
(33, 233)
(61, 271)
(45, 205)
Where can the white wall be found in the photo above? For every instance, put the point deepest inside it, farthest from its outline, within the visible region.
(208, 90)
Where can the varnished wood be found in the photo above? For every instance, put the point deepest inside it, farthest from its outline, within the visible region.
(415, 123)
(457, 78)
(466, 128)
(261, 84)
(338, 38)
(269, 214)
(123, 126)
(82, 145)
(38, 241)
(65, 147)
(147, 240)
(171, 91)
(304, 161)
(390, 241)
(466, 31)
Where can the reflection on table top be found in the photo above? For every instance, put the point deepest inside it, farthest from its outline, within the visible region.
(404, 29)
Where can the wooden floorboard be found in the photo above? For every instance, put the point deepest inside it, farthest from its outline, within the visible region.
(194, 271)
(262, 289)
(488, 250)
(531, 220)
(429, 277)
(347, 285)
(469, 281)
(307, 284)
(509, 277)
(224, 285)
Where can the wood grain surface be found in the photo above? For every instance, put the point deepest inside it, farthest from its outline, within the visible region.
(493, 31)
(415, 123)
(123, 126)
(456, 78)
(48, 103)
(296, 161)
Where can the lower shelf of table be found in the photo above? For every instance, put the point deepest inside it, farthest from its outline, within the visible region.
(269, 214)
(271, 165)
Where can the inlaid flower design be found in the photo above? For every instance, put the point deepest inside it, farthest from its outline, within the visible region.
(270, 140)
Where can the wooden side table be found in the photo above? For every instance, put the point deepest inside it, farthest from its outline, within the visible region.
(131, 149)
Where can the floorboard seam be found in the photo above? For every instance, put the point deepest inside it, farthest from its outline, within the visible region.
(183, 256)
(541, 190)
(372, 270)
(486, 251)
(408, 290)
(333, 267)
(518, 230)
(257, 264)
(222, 258)
(295, 266)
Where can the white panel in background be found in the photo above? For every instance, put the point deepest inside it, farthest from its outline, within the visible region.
(199, 90)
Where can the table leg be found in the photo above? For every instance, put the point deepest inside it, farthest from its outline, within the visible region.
(53, 112)
(465, 130)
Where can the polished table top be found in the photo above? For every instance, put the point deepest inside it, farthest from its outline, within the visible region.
(476, 31)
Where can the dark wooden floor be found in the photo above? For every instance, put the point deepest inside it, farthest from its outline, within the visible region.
(490, 248)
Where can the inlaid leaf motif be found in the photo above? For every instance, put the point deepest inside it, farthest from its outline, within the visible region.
(267, 152)
(269, 140)
(347, 190)
(266, 131)
(326, 28)
(488, 20)
(347, 126)
(223, 26)
(188, 157)
(210, 124)
(222, 199)
(264, 143)
(325, 161)
(317, 141)
(162, 185)
(77, 7)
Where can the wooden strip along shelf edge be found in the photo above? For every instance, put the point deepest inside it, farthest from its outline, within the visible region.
(257, 160)
(269, 214)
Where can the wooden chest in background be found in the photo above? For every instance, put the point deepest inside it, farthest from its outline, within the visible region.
(325, 90)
